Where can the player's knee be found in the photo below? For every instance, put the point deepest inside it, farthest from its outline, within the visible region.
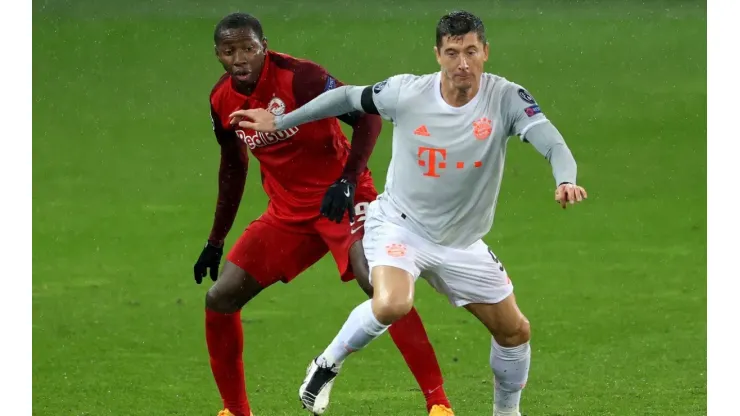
(220, 301)
(514, 334)
(232, 291)
(391, 307)
(525, 331)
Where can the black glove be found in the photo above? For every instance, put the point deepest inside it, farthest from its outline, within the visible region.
(339, 197)
(210, 258)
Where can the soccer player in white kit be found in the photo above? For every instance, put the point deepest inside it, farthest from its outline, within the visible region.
(450, 134)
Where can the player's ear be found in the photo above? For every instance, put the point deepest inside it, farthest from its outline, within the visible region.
(264, 44)
(485, 52)
(437, 55)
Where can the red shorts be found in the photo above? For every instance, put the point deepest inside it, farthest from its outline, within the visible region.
(271, 251)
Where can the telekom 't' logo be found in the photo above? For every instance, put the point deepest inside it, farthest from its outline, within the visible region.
(432, 164)
(435, 160)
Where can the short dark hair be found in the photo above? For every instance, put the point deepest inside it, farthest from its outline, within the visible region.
(238, 21)
(460, 23)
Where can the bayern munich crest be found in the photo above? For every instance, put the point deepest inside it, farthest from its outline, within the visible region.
(276, 106)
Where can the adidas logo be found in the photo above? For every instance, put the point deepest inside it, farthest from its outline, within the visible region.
(422, 131)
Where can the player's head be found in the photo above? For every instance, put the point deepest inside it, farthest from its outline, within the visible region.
(240, 47)
(462, 48)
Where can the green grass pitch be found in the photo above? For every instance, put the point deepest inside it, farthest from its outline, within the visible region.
(124, 177)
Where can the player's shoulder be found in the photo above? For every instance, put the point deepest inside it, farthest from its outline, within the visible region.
(496, 82)
(502, 87)
(296, 65)
(308, 78)
(219, 89)
(407, 82)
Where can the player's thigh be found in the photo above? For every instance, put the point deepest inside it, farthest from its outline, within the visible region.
(396, 258)
(272, 252)
(344, 240)
(387, 245)
(472, 275)
(504, 321)
(477, 279)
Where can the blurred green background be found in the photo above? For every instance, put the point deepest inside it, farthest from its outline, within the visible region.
(124, 177)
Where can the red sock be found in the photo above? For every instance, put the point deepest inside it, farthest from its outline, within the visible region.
(411, 339)
(225, 339)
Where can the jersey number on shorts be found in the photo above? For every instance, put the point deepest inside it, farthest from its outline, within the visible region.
(496, 260)
(360, 211)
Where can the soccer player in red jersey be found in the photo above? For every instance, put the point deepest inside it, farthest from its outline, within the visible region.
(297, 166)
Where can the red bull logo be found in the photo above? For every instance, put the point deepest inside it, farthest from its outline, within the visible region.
(259, 139)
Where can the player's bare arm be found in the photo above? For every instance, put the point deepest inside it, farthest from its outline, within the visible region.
(232, 176)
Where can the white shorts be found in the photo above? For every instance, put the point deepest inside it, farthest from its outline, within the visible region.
(470, 275)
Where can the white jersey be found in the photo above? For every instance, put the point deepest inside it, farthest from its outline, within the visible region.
(447, 162)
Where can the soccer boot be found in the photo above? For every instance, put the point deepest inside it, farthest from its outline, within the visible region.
(316, 388)
(439, 410)
(226, 412)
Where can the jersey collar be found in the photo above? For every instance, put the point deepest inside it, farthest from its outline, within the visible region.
(441, 101)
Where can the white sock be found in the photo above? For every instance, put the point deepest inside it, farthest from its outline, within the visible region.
(510, 370)
(360, 328)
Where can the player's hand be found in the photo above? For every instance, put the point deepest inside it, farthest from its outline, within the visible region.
(567, 192)
(340, 197)
(257, 119)
(210, 258)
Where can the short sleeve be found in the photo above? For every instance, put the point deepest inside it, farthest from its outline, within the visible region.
(520, 110)
(386, 95)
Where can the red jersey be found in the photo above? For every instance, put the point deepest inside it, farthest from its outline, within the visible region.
(297, 164)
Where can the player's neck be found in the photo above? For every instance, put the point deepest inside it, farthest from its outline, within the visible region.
(244, 89)
(457, 97)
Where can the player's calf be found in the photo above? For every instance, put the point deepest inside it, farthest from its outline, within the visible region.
(510, 351)
(224, 334)
(510, 366)
(392, 299)
(410, 337)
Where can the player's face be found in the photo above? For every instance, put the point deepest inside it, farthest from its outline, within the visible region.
(462, 59)
(242, 54)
